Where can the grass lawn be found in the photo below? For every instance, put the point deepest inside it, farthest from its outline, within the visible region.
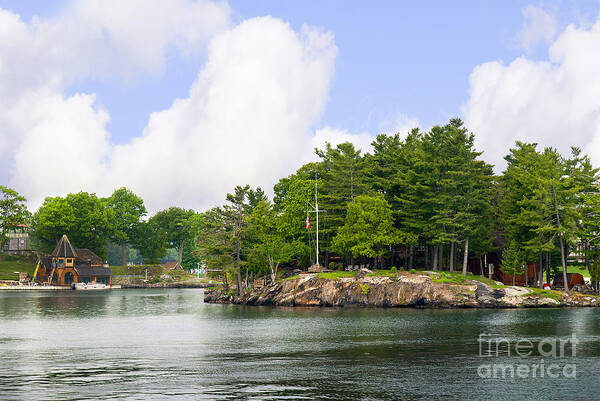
(581, 269)
(336, 274)
(458, 278)
(7, 269)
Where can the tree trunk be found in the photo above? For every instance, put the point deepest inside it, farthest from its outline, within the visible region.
(541, 269)
(465, 258)
(427, 250)
(548, 260)
(123, 254)
(481, 267)
(526, 277)
(452, 256)
(563, 262)
(180, 254)
(411, 259)
(435, 257)
(238, 277)
(441, 257)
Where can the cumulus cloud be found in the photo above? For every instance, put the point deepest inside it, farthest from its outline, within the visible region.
(248, 117)
(335, 136)
(539, 26)
(553, 102)
(90, 39)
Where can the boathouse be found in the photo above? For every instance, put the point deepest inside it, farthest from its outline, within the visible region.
(67, 265)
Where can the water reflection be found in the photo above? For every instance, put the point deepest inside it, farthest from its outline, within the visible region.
(141, 344)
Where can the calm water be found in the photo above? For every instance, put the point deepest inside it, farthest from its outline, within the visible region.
(152, 344)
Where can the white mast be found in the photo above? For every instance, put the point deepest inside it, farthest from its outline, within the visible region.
(317, 210)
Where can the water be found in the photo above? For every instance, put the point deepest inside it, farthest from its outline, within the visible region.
(154, 344)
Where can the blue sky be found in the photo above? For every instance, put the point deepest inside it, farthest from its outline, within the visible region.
(103, 78)
(411, 58)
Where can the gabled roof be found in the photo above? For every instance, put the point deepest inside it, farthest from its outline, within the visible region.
(64, 249)
(87, 256)
(94, 271)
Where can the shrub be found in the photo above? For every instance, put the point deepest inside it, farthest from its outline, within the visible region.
(413, 271)
(393, 269)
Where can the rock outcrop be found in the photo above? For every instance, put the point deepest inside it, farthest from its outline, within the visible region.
(404, 290)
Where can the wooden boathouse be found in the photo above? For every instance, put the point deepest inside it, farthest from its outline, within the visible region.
(68, 265)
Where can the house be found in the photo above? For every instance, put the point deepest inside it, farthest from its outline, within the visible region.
(491, 269)
(67, 265)
(17, 240)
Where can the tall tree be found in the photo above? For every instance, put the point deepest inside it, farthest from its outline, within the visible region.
(83, 217)
(513, 262)
(368, 229)
(128, 210)
(267, 245)
(341, 179)
(176, 227)
(150, 240)
(13, 212)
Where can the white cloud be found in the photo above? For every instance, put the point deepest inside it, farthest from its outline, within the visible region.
(335, 136)
(248, 117)
(553, 102)
(90, 39)
(539, 26)
(401, 124)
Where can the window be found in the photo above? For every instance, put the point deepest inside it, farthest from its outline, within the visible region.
(60, 262)
(69, 262)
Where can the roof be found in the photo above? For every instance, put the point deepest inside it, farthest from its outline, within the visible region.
(64, 249)
(85, 255)
(93, 271)
(172, 265)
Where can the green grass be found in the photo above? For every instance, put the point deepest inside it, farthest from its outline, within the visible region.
(458, 278)
(336, 274)
(581, 269)
(538, 292)
(7, 269)
(383, 273)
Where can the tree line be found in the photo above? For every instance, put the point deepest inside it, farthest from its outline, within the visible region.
(425, 199)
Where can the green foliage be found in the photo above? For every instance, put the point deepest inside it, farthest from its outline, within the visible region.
(393, 269)
(151, 241)
(267, 245)
(128, 209)
(336, 274)
(84, 218)
(368, 229)
(513, 261)
(595, 271)
(364, 288)
(13, 212)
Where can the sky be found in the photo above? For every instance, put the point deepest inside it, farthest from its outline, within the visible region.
(180, 101)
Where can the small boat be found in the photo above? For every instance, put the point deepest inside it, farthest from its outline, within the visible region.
(89, 286)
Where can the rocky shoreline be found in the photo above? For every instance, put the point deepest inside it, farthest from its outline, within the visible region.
(403, 290)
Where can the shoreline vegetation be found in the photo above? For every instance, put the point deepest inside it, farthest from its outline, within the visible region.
(425, 289)
(416, 200)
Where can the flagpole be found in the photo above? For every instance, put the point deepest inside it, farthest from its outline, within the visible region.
(317, 209)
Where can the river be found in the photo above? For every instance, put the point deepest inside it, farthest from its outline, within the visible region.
(167, 343)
